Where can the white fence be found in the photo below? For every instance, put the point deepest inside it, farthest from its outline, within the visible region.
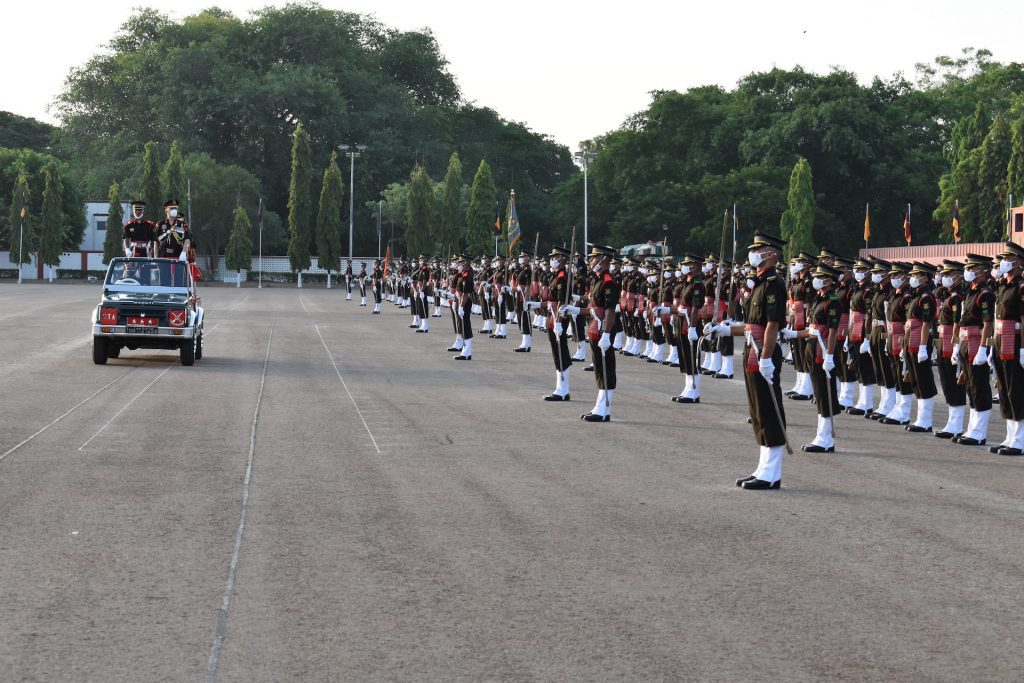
(93, 260)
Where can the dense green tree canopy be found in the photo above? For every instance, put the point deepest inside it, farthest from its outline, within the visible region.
(14, 162)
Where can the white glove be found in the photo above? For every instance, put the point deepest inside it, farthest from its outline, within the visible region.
(681, 310)
(1022, 357)
(182, 256)
(506, 289)
(982, 356)
(828, 364)
(846, 345)
(570, 310)
(605, 342)
(430, 299)
(865, 346)
(558, 329)
(533, 305)
(128, 252)
(767, 369)
(575, 298)
(955, 358)
(501, 298)
(692, 334)
(487, 296)
(922, 354)
(814, 332)
(657, 321)
(788, 333)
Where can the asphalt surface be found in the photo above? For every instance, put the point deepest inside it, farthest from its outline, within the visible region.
(407, 517)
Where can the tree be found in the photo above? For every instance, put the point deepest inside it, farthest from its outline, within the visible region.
(480, 214)
(150, 188)
(328, 219)
(1015, 166)
(174, 174)
(453, 218)
(300, 209)
(20, 239)
(420, 214)
(14, 162)
(797, 222)
(238, 255)
(19, 132)
(50, 220)
(113, 245)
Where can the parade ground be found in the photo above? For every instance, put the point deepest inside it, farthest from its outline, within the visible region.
(327, 495)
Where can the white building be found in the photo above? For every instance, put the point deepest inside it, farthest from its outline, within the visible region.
(96, 224)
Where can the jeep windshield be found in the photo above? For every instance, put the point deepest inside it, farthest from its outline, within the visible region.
(147, 275)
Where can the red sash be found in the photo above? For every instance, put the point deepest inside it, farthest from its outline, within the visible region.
(596, 320)
(946, 341)
(757, 334)
(857, 330)
(823, 329)
(895, 330)
(844, 324)
(1006, 334)
(796, 310)
(973, 336)
(914, 335)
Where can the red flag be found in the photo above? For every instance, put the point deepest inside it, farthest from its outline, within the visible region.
(387, 260)
(906, 226)
(956, 222)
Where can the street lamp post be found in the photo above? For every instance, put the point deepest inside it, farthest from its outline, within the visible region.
(584, 157)
(21, 245)
(359, 149)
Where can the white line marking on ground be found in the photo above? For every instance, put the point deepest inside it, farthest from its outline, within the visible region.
(303, 305)
(351, 398)
(79, 405)
(229, 586)
(124, 408)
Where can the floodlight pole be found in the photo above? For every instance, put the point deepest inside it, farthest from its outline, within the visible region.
(584, 157)
(359, 149)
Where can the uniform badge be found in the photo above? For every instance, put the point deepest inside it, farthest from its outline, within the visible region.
(771, 298)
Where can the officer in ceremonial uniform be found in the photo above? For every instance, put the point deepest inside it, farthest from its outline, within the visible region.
(950, 299)
(765, 316)
(347, 272)
(861, 291)
(173, 236)
(557, 296)
(604, 297)
(896, 321)
(377, 284)
(879, 338)
(920, 313)
(974, 329)
(822, 335)
(522, 280)
(1007, 350)
(799, 294)
(464, 288)
(689, 301)
(139, 235)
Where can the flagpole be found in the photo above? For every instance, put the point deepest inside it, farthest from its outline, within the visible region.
(21, 245)
(260, 285)
(908, 223)
(867, 214)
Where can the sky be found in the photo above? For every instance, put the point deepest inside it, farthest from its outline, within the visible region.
(568, 70)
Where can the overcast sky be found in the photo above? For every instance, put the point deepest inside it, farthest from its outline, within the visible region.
(569, 70)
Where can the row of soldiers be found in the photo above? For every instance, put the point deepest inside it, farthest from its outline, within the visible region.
(848, 324)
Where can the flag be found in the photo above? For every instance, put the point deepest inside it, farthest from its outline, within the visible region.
(513, 223)
(259, 215)
(867, 223)
(497, 220)
(956, 222)
(387, 260)
(906, 226)
(23, 213)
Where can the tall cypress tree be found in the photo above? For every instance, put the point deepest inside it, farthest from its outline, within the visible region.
(300, 204)
(51, 229)
(797, 222)
(995, 160)
(328, 219)
(174, 175)
(480, 214)
(453, 219)
(1015, 167)
(152, 192)
(238, 254)
(113, 246)
(20, 239)
(419, 213)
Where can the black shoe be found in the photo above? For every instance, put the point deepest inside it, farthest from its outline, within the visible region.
(918, 430)
(589, 368)
(665, 362)
(422, 331)
(376, 312)
(891, 421)
(739, 482)
(673, 365)
(970, 441)
(815, 448)
(801, 397)
(721, 376)
(454, 348)
(854, 411)
(761, 485)
(591, 417)
(627, 353)
(944, 435)
(653, 360)
(686, 399)
(463, 357)
(875, 415)
(520, 349)
(641, 356)
(413, 326)
(749, 421)
(1006, 450)
(995, 449)
(499, 336)
(791, 392)
(556, 397)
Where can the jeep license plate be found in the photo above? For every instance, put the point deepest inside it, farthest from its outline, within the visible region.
(142, 330)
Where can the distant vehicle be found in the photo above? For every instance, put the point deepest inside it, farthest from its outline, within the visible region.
(645, 250)
(148, 303)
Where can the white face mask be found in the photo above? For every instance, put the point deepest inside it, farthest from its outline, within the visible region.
(937, 279)
(643, 271)
(947, 281)
(756, 258)
(915, 282)
(522, 262)
(678, 273)
(612, 268)
(876, 278)
(685, 270)
(553, 263)
(652, 278)
(969, 275)
(795, 268)
(1005, 266)
(137, 213)
(173, 213)
(817, 283)
(897, 282)
(858, 275)
(627, 269)
(706, 268)
(750, 283)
